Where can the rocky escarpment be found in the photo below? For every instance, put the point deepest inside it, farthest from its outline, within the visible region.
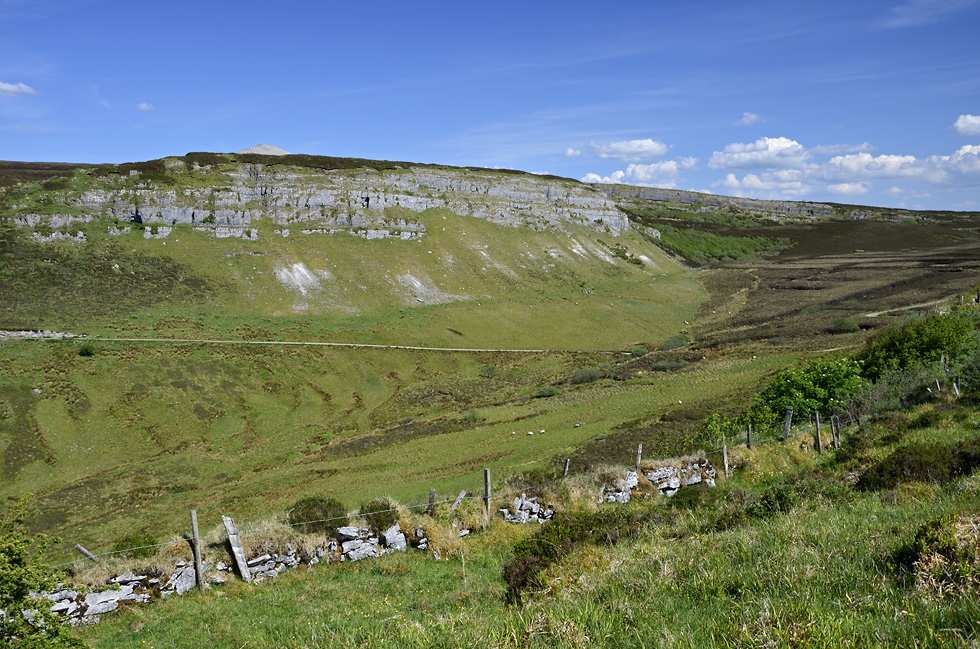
(252, 200)
(778, 210)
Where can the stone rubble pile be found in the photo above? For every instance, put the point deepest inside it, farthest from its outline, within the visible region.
(668, 480)
(527, 510)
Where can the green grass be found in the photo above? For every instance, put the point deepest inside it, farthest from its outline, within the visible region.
(820, 572)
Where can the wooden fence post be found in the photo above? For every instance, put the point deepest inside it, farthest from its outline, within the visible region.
(88, 555)
(724, 450)
(816, 420)
(938, 389)
(789, 422)
(565, 472)
(956, 386)
(236, 548)
(748, 434)
(639, 455)
(486, 489)
(196, 548)
(432, 502)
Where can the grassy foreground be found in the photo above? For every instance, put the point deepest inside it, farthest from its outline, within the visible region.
(789, 552)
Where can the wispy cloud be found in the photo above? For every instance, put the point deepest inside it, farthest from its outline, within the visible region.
(913, 13)
(748, 119)
(145, 106)
(838, 149)
(14, 89)
(967, 125)
(629, 150)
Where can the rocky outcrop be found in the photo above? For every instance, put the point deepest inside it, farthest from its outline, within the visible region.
(713, 202)
(253, 197)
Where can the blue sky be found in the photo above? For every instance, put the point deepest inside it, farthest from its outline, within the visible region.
(872, 102)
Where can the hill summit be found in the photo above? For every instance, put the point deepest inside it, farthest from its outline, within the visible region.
(265, 149)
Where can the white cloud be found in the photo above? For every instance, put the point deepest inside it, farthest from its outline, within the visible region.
(838, 149)
(629, 150)
(748, 119)
(864, 165)
(658, 174)
(787, 183)
(572, 153)
(145, 106)
(913, 13)
(849, 189)
(764, 153)
(967, 125)
(14, 89)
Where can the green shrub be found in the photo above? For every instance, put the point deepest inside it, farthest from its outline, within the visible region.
(845, 326)
(472, 416)
(22, 573)
(825, 385)
(139, 542)
(674, 342)
(86, 350)
(586, 375)
(916, 342)
(638, 351)
(547, 391)
(322, 515)
(787, 494)
(380, 514)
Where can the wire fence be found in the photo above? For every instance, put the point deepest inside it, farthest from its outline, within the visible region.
(776, 432)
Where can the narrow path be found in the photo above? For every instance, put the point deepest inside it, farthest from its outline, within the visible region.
(906, 308)
(355, 345)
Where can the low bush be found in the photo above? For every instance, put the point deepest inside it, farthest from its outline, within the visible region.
(380, 514)
(472, 416)
(547, 391)
(674, 342)
(792, 492)
(586, 375)
(86, 350)
(321, 515)
(923, 462)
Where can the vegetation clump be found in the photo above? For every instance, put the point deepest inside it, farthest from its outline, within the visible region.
(317, 515)
(586, 375)
(943, 557)
(380, 514)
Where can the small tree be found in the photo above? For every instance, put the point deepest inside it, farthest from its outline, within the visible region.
(28, 620)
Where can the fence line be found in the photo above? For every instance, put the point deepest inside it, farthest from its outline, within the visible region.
(474, 496)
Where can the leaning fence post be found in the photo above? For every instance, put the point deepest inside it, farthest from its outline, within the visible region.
(748, 434)
(938, 389)
(956, 386)
(236, 548)
(789, 422)
(486, 489)
(458, 500)
(89, 555)
(816, 420)
(432, 502)
(565, 472)
(196, 548)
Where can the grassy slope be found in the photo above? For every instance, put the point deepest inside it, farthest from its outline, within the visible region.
(818, 575)
(135, 434)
